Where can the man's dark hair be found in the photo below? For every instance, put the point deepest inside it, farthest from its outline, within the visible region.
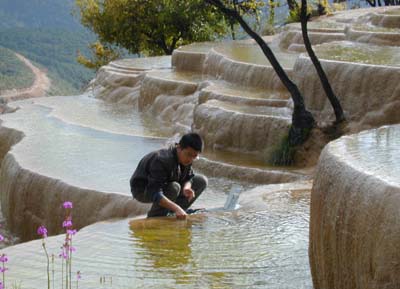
(192, 140)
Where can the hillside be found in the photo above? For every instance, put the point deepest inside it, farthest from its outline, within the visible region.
(13, 72)
(46, 32)
(38, 14)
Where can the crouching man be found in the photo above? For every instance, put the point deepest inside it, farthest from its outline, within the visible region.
(166, 179)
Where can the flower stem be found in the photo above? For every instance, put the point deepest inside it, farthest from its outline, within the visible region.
(48, 264)
(62, 273)
(70, 263)
(52, 270)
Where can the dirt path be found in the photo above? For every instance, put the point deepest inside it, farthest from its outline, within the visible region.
(39, 87)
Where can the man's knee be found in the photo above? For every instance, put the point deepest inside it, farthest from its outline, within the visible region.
(172, 190)
(199, 183)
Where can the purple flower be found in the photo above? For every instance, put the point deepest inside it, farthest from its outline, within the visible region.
(67, 205)
(1, 238)
(1, 285)
(4, 258)
(42, 231)
(63, 254)
(72, 249)
(4, 269)
(78, 275)
(71, 232)
(67, 223)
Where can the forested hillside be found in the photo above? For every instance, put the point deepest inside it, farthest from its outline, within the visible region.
(13, 72)
(46, 32)
(38, 14)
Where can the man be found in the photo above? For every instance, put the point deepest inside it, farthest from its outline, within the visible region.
(165, 178)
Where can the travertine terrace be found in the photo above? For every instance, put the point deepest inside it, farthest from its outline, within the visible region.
(84, 148)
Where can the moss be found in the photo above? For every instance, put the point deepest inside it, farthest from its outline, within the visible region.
(284, 153)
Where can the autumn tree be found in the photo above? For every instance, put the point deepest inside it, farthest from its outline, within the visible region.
(101, 55)
(151, 27)
(248, 8)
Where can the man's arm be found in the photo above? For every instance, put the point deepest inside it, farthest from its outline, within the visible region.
(168, 204)
(157, 178)
(187, 191)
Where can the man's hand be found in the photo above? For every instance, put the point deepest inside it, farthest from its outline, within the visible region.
(180, 213)
(189, 194)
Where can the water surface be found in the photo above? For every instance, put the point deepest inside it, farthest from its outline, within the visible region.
(374, 152)
(231, 249)
(359, 53)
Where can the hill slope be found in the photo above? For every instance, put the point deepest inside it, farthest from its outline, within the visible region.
(38, 14)
(13, 72)
(45, 32)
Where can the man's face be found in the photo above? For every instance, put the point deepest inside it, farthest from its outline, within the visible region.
(187, 155)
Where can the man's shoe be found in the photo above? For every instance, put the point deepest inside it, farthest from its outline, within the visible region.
(195, 211)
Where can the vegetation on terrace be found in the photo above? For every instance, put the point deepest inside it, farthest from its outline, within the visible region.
(54, 49)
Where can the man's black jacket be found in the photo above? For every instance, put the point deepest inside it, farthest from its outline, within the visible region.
(157, 169)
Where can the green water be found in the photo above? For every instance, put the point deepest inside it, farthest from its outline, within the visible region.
(392, 12)
(231, 249)
(383, 147)
(360, 53)
(371, 28)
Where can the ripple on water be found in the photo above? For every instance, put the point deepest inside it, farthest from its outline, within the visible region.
(383, 147)
(236, 249)
(360, 53)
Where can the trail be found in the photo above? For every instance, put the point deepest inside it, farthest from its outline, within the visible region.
(39, 87)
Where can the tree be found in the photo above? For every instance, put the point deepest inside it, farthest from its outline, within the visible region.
(251, 8)
(375, 3)
(337, 108)
(302, 120)
(151, 27)
(101, 55)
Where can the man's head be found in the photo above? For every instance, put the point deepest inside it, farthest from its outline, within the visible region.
(189, 148)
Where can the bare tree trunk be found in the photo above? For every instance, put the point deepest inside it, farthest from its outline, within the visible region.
(372, 3)
(302, 120)
(321, 74)
(292, 5)
(233, 34)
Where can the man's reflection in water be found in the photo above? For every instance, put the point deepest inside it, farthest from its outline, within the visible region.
(165, 241)
(167, 244)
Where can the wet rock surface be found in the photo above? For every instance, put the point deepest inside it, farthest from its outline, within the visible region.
(355, 221)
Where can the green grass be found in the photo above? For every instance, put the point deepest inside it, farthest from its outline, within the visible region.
(13, 72)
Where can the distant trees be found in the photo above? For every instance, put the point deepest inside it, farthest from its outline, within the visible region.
(54, 49)
(13, 72)
(151, 27)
